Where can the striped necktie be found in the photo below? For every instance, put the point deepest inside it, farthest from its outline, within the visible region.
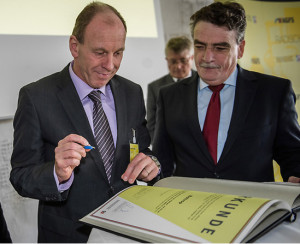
(102, 133)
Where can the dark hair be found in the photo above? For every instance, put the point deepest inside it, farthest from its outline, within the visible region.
(229, 14)
(87, 14)
(178, 44)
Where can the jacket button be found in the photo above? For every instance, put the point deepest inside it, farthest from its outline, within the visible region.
(111, 191)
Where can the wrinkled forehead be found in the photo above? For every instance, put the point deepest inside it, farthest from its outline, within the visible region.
(209, 33)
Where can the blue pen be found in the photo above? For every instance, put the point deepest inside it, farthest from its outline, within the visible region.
(88, 147)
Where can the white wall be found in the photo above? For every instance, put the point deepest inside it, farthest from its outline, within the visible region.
(27, 57)
(20, 213)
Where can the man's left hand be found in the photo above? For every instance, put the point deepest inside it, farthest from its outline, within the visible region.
(142, 167)
(294, 179)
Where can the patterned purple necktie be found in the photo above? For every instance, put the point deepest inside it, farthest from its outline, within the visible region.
(102, 133)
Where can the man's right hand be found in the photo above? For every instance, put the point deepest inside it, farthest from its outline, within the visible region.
(68, 154)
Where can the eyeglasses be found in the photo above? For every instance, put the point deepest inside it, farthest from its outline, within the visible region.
(172, 61)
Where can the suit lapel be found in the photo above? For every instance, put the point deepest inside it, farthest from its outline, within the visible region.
(244, 96)
(72, 105)
(190, 91)
(121, 113)
(168, 80)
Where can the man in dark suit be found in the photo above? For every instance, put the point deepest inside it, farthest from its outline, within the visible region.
(257, 117)
(55, 120)
(179, 57)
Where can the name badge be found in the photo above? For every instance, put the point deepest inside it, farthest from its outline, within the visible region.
(134, 146)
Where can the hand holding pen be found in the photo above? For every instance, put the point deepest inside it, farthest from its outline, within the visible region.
(68, 155)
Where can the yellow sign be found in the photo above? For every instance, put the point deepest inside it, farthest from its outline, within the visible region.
(273, 43)
(273, 40)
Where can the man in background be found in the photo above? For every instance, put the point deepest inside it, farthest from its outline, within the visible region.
(227, 122)
(84, 104)
(179, 57)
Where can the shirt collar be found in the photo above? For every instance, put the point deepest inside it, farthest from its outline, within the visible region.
(176, 79)
(83, 89)
(231, 81)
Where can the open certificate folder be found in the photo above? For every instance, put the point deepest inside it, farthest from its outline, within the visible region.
(165, 214)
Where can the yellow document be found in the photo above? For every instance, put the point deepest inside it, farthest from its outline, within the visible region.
(179, 209)
(214, 217)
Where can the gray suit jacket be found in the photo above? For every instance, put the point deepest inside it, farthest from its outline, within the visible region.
(263, 127)
(48, 110)
(152, 96)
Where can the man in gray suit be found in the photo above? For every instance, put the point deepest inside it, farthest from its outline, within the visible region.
(55, 120)
(179, 57)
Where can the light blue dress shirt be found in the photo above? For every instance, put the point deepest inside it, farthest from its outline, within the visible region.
(227, 95)
(107, 100)
(108, 105)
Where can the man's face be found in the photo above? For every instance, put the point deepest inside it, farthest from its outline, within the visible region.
(179, 64)
(98, 58)
(216, 52)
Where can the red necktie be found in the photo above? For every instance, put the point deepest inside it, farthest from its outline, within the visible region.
(212, 120)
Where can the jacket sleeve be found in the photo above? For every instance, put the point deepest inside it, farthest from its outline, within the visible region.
(31, 175)
(151, 111)
(162, 146)
(287, 142)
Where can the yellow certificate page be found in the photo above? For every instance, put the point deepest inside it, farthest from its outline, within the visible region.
(213, 217)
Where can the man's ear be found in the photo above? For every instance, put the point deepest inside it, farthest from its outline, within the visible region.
(241, 48)
(73, 45)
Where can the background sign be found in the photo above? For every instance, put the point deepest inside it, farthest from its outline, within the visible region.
(273, 41)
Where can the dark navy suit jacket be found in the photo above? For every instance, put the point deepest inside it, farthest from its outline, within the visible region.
(49, 110)
(263, 127)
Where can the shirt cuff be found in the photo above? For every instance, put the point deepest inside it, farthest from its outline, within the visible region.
(64, 185)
